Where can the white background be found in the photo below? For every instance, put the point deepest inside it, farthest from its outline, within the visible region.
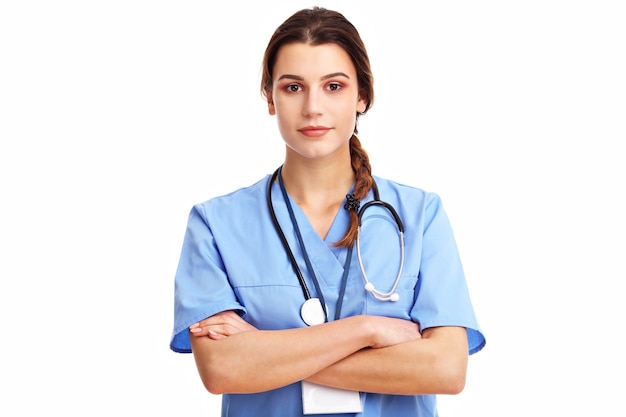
(117, 116)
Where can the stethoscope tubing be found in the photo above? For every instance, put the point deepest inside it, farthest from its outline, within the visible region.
(382, 296)
(369, 287)
(292, 258)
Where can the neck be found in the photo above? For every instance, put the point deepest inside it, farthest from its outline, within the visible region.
(317, 184)
(320, 191)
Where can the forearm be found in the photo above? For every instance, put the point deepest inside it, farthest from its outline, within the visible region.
(435, 364)
(257, 361)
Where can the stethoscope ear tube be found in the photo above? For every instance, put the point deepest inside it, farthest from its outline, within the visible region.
(369, 287)
(305, 289)
(388, 207)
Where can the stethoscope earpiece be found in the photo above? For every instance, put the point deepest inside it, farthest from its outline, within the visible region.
(369, 287)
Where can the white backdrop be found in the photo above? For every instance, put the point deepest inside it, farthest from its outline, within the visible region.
(117, 116)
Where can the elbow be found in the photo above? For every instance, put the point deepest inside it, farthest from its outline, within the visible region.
(219, 383)
(446, 382)
(214, 376)
(452, 377)
(212, 385)
(440, 377)
(217, 376)
(454, 384)
(215, 384)
(214, 381)
(214, 388)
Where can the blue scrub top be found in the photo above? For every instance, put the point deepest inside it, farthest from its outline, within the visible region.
(233, 259)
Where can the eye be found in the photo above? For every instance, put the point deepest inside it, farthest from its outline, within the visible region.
(293, 88)
(334, 87)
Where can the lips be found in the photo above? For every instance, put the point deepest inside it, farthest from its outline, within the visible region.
(314, 131)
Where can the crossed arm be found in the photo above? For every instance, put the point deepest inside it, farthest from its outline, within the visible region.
(362, 353)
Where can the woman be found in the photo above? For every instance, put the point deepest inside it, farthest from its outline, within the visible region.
(258, 264)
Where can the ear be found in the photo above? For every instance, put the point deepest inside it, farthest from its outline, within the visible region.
(361, 105)
(270, 104)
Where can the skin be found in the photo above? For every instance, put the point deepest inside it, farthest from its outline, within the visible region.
(315, 100)
(316, 86)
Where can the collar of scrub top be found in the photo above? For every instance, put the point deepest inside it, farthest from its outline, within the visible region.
(307, 260)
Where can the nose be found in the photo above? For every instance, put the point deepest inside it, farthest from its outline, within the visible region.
(312, 105)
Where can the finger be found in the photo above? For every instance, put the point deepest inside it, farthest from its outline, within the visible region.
(216, 336)
(219, 318)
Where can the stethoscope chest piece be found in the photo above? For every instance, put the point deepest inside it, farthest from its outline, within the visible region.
(312, 312)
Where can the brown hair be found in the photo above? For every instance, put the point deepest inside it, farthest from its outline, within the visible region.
(317, 26)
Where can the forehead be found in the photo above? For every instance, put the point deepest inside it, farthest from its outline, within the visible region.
(313, 61)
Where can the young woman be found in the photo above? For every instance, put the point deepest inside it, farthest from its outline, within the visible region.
(322, 288)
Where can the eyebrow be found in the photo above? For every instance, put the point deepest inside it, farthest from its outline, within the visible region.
(325, 77)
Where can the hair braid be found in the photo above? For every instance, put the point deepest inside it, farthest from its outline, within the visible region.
(363, 175)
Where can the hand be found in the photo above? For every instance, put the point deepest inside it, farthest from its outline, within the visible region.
(391, 331)
(221, 325)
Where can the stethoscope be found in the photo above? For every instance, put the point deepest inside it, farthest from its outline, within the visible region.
(312, 311)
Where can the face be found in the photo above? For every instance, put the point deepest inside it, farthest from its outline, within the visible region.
(315, 98)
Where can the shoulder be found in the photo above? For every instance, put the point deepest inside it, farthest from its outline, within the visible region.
(390, 189)
(416, 206)
(241, 200)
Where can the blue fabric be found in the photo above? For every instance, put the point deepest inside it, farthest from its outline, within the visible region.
(232, 259)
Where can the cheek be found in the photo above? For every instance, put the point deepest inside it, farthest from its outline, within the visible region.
(286, 106)
(284, 113)
(347, 112)
(284, 124)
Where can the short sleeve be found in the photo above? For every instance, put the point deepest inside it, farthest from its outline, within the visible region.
(443, 297)
(202, 288)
